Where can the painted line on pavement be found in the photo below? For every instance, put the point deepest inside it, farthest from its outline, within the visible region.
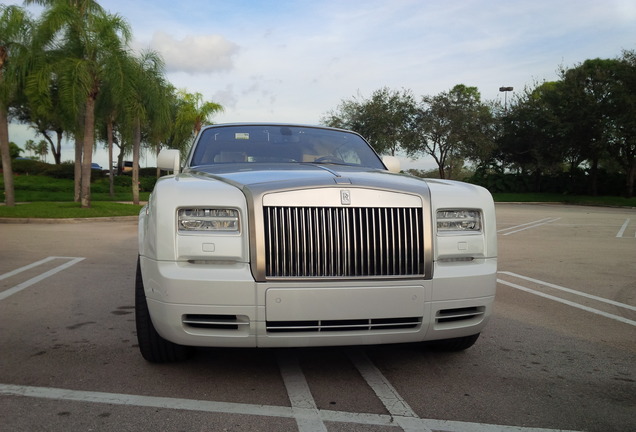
(623, 228)
(571, 291)
(568, 302)
(399, 409)
(529, 225)
(303, 405)
(245, 409)
(9, 292)
(522, 225)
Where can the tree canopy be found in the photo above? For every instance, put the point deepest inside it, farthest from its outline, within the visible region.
(72, 72)
(576, 134)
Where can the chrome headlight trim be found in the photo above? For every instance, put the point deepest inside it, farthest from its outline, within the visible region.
(208, 220)
(459, 221)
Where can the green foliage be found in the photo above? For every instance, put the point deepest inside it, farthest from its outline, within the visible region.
(65, 210)
(29, 167)
(384, 119)
(34, 188)
(566, 183)
(14, 150)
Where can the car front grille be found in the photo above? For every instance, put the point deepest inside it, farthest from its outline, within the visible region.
(343, 242)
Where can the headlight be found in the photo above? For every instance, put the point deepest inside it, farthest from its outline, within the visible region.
(209, 219)
(459, 221)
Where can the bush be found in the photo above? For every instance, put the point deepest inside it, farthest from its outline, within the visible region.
(578, 182)
(28, 167)
(147, 184)
(65, 170)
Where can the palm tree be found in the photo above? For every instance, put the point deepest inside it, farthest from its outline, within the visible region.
(194, 112)
(145, 102)
(89, 44)
(15, 27)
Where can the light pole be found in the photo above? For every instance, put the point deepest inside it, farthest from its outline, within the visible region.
(505, 91)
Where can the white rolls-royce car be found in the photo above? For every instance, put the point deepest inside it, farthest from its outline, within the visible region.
(280, 235)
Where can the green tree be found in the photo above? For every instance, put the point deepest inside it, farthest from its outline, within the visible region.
(42, 150)
(623, 129)
(194, 112)
(14, 150)
(15, 30)
(385, 119)
(49, 121)
(532, 137)
(586, 111)
(452, 126)
(90, 44)
(145, 103)
(29, 145)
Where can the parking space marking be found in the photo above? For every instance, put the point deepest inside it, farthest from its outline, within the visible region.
(392, 401)
(568, 302)
(528, 225)
(9, 292)
(302, 402)
(247, 409)
(569, 290)
(623, 228)
(145, 401)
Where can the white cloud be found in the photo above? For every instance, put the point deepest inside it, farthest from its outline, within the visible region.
(195, 54)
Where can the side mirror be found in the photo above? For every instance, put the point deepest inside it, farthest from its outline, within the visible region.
(392, 163)
(169, 160)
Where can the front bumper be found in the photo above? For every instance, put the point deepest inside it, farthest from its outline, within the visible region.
(221, 305)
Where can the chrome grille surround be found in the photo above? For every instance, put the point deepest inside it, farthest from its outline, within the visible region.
(343, 242)
(310, 193)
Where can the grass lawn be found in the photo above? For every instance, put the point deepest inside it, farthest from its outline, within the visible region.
(64, 210)
(48, 197)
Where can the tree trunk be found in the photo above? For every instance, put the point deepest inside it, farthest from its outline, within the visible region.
(594, 176)
(7, 171)
(156, 156)
(135, 170)
(57, 153)
(57, 156)
(78, 169)
(87, 151)
(109, 137)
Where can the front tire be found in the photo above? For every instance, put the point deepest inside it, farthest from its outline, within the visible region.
(153, 347)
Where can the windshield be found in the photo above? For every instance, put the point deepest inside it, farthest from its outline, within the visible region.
(281, 144)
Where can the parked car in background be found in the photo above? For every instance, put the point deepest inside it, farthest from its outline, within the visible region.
(127, 167)
(280, 235)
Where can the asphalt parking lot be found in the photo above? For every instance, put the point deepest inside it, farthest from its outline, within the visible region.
(558, 354)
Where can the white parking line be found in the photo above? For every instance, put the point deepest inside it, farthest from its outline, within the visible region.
(38, 278)
(302, 402)
(568, 302)
(392, 401)
(528, 225)
(623, 228)
(145, 401)
(245, 409)
(571, 291)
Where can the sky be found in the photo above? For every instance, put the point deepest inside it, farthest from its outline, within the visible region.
(296, 60)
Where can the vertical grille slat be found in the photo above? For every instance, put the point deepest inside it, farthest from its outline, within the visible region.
(305, 242)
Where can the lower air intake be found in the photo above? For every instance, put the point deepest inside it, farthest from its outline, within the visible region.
(355, 325)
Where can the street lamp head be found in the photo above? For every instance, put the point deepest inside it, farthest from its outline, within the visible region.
(505, 89)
